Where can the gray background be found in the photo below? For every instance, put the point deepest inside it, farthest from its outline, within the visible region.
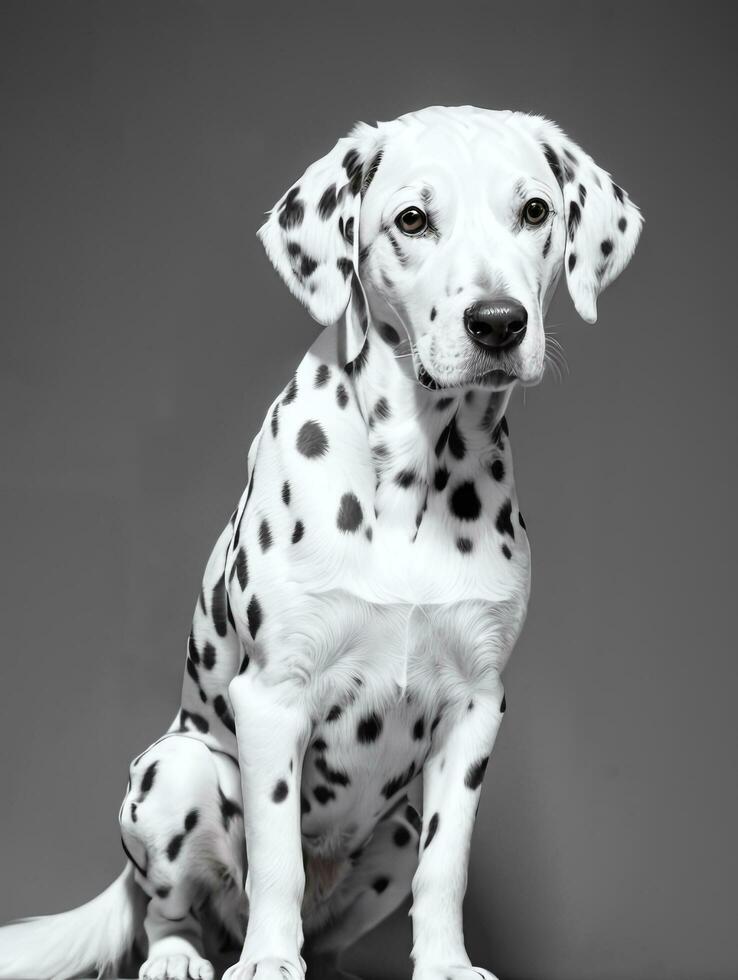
(144, 334)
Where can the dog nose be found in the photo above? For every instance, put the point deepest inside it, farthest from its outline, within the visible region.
(496, 324)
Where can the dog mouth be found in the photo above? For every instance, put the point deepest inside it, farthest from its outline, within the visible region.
(495, 378)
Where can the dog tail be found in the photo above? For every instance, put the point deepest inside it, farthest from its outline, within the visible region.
(92, 937)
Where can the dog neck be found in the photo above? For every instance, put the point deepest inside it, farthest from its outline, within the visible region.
(417, 435)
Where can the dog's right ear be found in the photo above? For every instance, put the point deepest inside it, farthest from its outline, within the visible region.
(312, 234)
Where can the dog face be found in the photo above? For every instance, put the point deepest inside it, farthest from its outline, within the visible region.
(451, 226)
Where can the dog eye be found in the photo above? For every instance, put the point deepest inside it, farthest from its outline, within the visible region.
(535, 211)
(412, 221)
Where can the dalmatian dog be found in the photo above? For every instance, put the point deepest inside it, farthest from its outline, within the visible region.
(358, 610)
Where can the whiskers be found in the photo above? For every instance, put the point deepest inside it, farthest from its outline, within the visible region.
(405, 348)
(554, 357)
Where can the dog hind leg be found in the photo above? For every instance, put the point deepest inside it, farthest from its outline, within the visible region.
(182, 828)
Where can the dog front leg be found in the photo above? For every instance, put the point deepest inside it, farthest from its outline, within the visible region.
(452, 779)
(272, 728)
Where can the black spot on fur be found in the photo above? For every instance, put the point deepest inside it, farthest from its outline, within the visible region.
(327, 203)
(405, 478)
(218, 607)
(200, 723)
(148, 778)
(356, 366)
(432, 828)
(297, 532)
(280, 791)
(174, 846)
(320, 745)
(292, 211)
(341, 396)
(401, 836)
(582, 195)
(369, 729)
(307, 267)
(411, 815)
(433, 313)
(311, 440)
(208, 656)
(350, 514)
(221, 710)
(304, 804)
(323, 794)
(352, 165)
(623, 224)
(475, 775)
(290, 392)
(332, 775)
(456, 442)
(382, 409)
(254, 616)
(241, 566)
(572, 261)
(194, 653)
(575, 217)
(441, 478)
(265, 535)
(191, 821)
(322, 375)
(442, 440)
(286, 493)
(465, 503)
(228, 809)
(506, 552)
(443, 403)
(335, 713)
(371, 171)
(345, 267)
(554, 163)
(380, 884)
(393, 786)
(606, 246)
(497, 470)
(464, 545)
(164, 891)
(388, 334)
(503, 523)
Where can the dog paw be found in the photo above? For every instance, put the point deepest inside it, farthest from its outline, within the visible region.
(176, 967)
(269, 968)
(452, 973)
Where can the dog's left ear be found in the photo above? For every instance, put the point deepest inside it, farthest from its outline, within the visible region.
(602, 223)
(312, 234)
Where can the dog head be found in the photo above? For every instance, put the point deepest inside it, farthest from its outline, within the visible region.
(448, 229)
